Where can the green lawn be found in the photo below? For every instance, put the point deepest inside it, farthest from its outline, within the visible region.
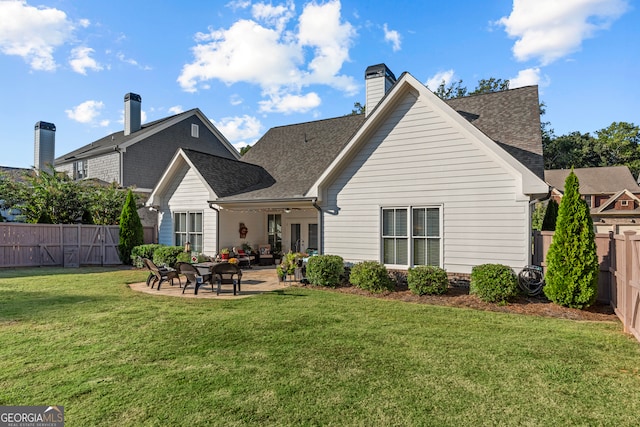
(80, 338)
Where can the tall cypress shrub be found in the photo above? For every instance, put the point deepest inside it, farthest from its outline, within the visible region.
(131, 234)
(572, 260)
(550, 216)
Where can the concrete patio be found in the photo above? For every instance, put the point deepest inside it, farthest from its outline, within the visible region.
(255, 280)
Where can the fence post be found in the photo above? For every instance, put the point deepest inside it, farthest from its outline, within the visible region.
(628, 253)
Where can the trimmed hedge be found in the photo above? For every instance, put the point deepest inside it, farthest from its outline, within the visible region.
(167, 255)
(325, 270)
(493, 282)
(427, 279)
(371, 276)
(143, 251)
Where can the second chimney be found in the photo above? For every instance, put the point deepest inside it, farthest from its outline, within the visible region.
(378, 80)
(44, 146)
(132, 113)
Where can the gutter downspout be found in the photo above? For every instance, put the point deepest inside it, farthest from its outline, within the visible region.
(217, 226)
(320, 227)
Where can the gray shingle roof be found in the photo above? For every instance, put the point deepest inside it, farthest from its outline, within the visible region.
(602, 180)
(109, 142)
(16, 174)
(228, 177)
(296, 155)
(511, 118)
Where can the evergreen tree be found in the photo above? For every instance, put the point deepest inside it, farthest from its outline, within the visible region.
(572, 260)
(550, 216)
(131, 234)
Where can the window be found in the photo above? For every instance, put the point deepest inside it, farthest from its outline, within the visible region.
(80, 169)
(624, 203)
(394, 236)
(588, 200)
(187, 227)
(416, 237)
(274, 231)
(195, 130)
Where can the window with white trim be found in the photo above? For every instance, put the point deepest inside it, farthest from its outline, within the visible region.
(412, 236)
(624, 203)
(195, 130)
(187, 227)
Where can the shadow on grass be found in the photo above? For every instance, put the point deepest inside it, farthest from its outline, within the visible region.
(22, 305)
(11, 273)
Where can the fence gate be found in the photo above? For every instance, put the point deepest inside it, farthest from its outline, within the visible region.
(68, 245)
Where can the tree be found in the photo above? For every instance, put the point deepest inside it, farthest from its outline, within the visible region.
(572, 260)
(568, 151)
(244, 150)
(358, 108)
(131, 234)
(104, 204)
(454, 90)
(490, 85)
(51, 197)
(617, 144)
(550, 216)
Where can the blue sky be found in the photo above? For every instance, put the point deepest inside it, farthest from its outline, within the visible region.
(251, 65)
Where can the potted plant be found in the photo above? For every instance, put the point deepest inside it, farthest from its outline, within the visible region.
(224, 253)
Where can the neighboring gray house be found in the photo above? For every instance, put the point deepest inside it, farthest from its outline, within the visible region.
(417, 181)
(138, 155)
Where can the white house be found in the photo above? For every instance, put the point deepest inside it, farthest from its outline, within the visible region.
(417, 181)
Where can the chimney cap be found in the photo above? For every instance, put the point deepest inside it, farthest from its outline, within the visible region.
(379, 70)
(133, 97)
(45, 125)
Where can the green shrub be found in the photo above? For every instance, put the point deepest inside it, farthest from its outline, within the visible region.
(131, 233)
(143, 251)
(427, 279)
(572, 260)
(167, 255)
(371, 276)
(493, 282)
(325, 270)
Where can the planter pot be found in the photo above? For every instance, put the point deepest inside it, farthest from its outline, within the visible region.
(224, 256)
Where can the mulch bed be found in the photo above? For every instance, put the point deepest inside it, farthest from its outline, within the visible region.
(458, 296)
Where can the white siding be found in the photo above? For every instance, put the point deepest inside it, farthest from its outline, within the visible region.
(187, 192)
(417, 158)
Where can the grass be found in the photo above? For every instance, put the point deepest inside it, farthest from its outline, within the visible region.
(82, 339)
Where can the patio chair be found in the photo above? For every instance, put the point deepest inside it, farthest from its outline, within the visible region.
(244, 259)
(194, 277)
(227, 274)
(159, 275)
(266, 257)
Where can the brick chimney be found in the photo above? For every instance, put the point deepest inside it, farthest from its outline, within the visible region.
(132, 113)
(44, 146)
(378, 79)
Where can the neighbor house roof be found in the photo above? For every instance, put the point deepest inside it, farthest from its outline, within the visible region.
(119, 140)
(601, 180)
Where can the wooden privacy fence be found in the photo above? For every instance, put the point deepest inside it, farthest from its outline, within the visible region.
(619, 279)
(67, 245)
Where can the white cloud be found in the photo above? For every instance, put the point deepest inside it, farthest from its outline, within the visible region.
(549, 29)
(235, 99)
(276, 16)
(289, 103)
(81, 60)
(33, 33)
(264, 52)
(236, 129)
(131, 61)
(393, 37)
(530, 76)
(176, 109)
(238, 4)
(434, 82)
(87, 112)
